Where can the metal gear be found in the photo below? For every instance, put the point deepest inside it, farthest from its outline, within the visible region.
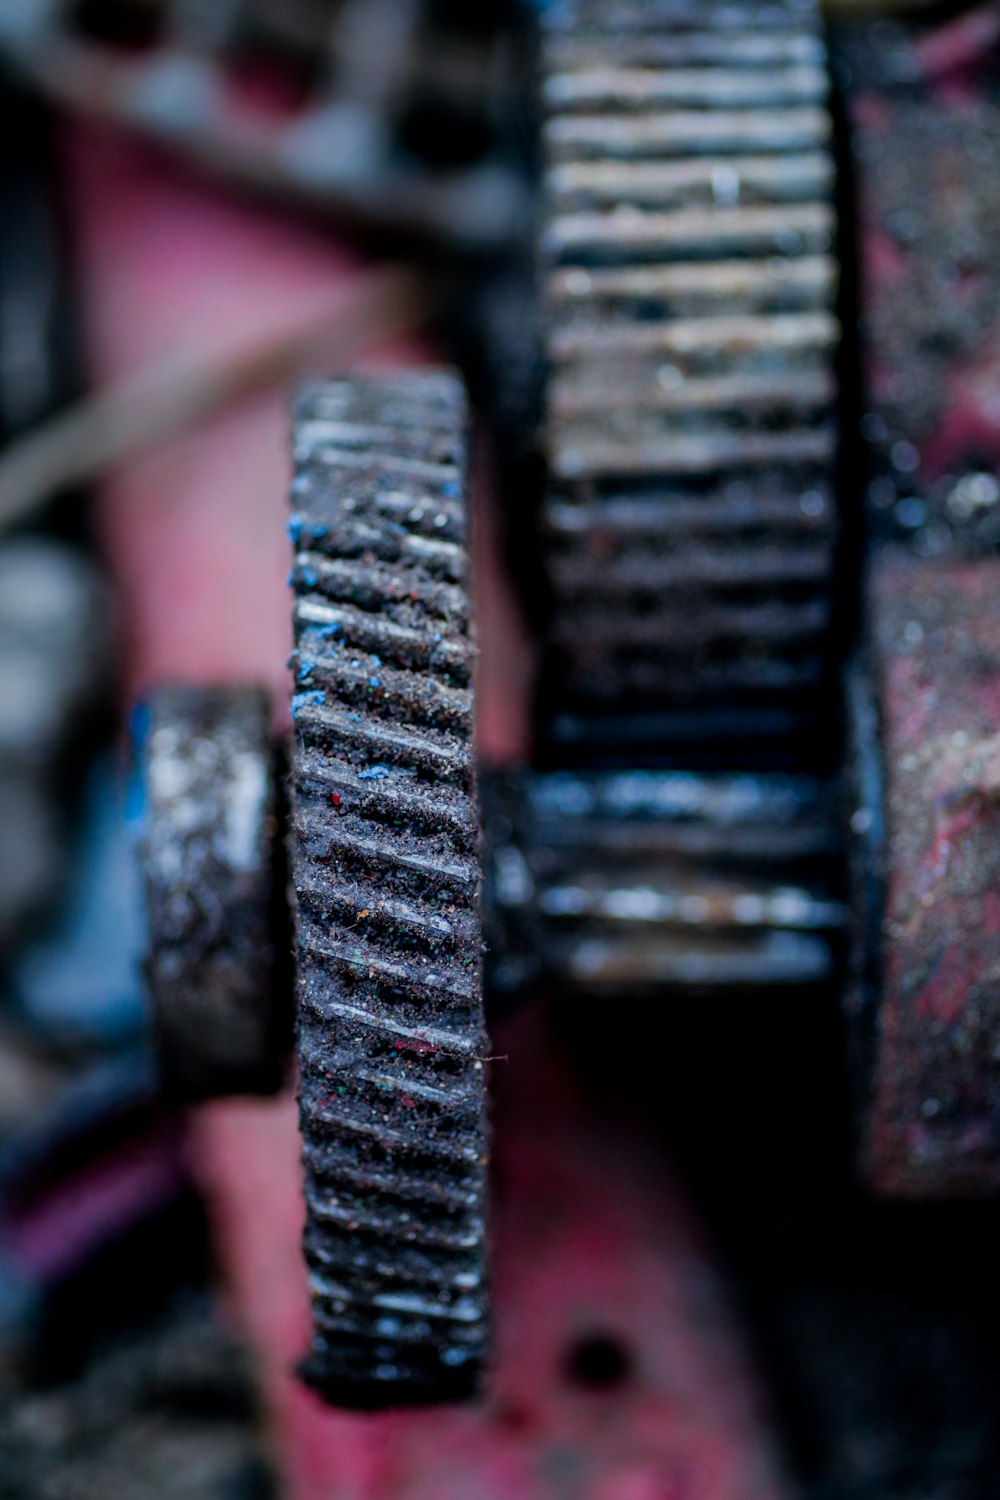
(385, 864)
(639, 880)
(688, 299)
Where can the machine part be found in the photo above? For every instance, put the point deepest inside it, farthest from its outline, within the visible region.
(209, 856)
(390, 112)
(934, 1128)
(925, 112)
(615, 881)
(688, 297)
(928, 167)
(386, 872)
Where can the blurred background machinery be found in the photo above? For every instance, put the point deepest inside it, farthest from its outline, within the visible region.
(401, 116)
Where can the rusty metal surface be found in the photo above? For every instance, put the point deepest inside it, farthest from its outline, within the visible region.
(925, 117)
(392, 1046)
(925, 111)
(936, 1110)
(208, 847)
(689, 288)
(623, 881)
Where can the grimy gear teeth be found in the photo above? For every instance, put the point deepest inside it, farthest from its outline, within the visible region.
(639, 879)
(386, 872)
(688, 297)
(209, 840)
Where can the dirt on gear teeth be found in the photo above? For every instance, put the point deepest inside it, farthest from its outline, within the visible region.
(688, 297)
(386, 872)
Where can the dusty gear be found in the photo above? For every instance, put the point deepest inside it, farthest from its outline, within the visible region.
(688, 300)
(391, 1038)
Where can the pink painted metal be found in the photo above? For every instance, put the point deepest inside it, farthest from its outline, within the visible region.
(935, 1124)
(925, 113)
(925, 109)
(618, 1375)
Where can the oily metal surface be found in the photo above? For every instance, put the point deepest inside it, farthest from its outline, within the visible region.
(386, 874)
(635, 880)
(688, 295)
(209, 832)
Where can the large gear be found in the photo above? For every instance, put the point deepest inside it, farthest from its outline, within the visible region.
(688, 299)
(386, 873)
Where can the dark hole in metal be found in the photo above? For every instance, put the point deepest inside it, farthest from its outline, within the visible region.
(598, 1361)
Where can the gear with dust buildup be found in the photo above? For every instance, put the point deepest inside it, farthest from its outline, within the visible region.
(386, 873)
(688, 291)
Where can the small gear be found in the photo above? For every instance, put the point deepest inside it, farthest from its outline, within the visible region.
(386, 873)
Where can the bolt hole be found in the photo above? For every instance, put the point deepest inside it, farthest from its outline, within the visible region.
(598, 1362)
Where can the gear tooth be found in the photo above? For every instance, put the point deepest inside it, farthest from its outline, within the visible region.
(387, 882)
(689, 295)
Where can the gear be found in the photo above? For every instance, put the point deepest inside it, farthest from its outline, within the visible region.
(386, 872)
(688, 298)
(615, 881)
